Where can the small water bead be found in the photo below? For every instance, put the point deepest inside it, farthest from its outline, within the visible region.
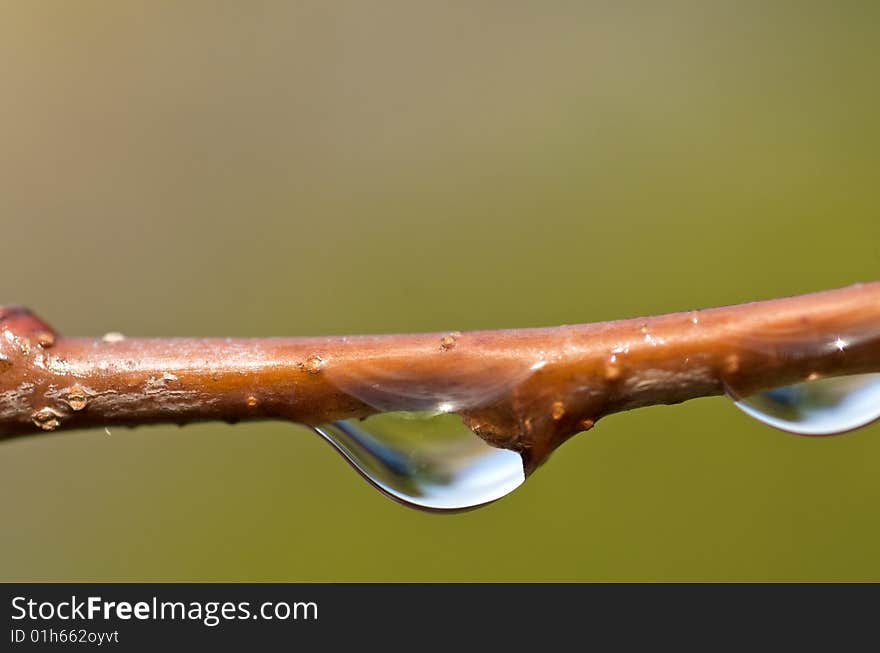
(426, 460)
(821, 406)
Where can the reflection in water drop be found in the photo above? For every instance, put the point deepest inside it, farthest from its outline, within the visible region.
(818, 407)
(427, 386)
(429, 461)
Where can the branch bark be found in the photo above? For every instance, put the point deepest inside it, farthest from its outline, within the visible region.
(523, 389)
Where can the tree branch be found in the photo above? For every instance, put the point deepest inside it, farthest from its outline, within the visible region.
(523, 389)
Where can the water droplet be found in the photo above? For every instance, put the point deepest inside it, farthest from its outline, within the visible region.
(45, 339)
(113, 336)
(107, 430)
(453, 383)
(428, 461)
(822, 406)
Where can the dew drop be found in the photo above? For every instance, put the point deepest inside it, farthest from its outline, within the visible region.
(425, 460)
(456, 383)
(821, 406)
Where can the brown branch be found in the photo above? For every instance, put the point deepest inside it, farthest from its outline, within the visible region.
(524, 389)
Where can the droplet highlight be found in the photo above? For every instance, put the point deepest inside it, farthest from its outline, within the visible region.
(821, 406)
(452, 382)
(425, 460)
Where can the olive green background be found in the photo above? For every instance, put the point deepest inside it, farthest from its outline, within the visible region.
(233, 168)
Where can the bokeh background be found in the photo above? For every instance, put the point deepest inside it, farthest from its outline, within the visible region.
(307, 168)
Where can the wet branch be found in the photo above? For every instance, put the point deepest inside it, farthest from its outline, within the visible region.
(524, 389)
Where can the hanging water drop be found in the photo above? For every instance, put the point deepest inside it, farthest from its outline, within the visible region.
(821, 406)
(429, 461)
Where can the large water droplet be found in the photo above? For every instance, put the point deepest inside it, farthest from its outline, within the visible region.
(429, 461)
(452, 381)
(818, 407)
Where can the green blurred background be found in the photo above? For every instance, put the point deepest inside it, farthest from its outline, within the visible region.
(307, 168)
